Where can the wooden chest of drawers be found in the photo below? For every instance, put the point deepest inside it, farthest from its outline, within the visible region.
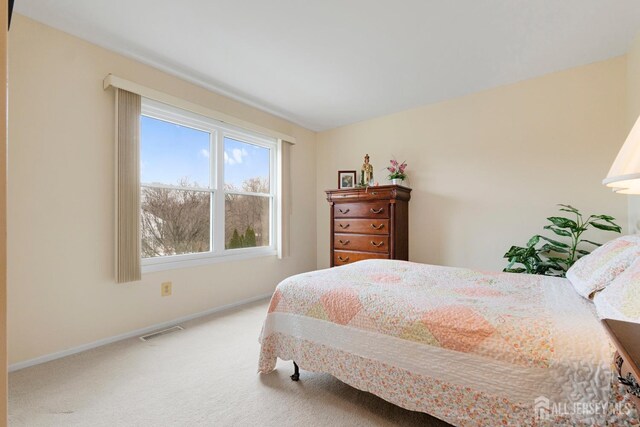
(369, 223)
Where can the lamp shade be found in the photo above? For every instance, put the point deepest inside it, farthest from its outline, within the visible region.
(624, 175)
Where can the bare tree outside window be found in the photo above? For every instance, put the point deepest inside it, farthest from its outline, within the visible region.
(247, 216)
(175, 221)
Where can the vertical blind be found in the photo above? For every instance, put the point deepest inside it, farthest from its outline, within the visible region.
(285, 210)
(128, 251)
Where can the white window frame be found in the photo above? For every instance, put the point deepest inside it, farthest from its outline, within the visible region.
(218, 131)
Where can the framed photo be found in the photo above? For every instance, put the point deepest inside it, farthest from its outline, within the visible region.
(347, 179)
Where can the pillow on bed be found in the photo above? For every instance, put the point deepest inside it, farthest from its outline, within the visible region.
(593, 272)
(621, 299)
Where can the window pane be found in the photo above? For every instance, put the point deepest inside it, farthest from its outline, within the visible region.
(172, 154)
(246, 221)
(246, 167)
(174, 222)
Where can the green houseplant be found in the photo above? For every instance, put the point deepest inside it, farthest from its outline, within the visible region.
(553, 257)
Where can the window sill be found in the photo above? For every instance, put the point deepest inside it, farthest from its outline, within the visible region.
(152, 265)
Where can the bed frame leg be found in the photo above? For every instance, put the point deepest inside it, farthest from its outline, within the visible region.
(296, 372)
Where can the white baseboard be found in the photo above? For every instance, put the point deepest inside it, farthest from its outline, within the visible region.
(59, 354)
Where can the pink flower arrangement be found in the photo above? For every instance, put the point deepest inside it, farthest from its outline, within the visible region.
(396, 170)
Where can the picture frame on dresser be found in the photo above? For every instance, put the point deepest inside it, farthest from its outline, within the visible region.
(347, 179)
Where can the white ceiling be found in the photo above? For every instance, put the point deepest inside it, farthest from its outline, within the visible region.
(327, 63)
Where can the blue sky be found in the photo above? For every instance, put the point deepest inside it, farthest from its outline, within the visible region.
(171, 152)
(242, 161)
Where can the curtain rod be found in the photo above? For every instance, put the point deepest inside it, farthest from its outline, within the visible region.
(118, 82)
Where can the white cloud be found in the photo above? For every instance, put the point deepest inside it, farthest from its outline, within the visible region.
(236, 156)
(228, 160)
(204, 152)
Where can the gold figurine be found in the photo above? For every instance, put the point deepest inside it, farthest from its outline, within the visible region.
(366, 174)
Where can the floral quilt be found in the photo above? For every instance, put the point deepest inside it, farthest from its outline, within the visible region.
(469, 347)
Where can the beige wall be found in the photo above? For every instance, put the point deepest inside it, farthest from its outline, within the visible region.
(633, 111)
(61, 194)
(633, 82)
(487, 169)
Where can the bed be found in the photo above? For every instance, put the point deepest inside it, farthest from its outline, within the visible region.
(469, 347)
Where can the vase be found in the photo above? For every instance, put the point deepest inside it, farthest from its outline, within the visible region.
(396, 181)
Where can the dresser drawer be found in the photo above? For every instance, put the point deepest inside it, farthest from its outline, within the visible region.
(347, 257)
(361, 210)
(350, 195)
(376, 193)
(361, 242)
(361, 226)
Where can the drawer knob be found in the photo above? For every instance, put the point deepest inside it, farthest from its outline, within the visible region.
(377, 245)
(345, 242)
(344, 225)
(377, 227)
(376, 211)
(343, 259)
(344, 211)
(373, 193)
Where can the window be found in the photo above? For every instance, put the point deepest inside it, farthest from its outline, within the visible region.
(248, 197)
(207, 189)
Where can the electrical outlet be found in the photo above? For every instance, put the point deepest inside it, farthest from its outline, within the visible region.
(165, 289)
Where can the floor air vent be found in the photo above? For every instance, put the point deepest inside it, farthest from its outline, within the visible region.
(160, 333)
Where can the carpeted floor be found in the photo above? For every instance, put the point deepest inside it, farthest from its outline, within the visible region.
(202, 376)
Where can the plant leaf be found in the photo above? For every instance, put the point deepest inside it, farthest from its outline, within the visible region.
(604, 217)
(583, 252)
(546, 248)
(593, 243)
(605, 227)
(514, 270)
(558, 231)
(569, 207)
(514, 251)
(555, 242)
(563, 222)
(533, 241)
